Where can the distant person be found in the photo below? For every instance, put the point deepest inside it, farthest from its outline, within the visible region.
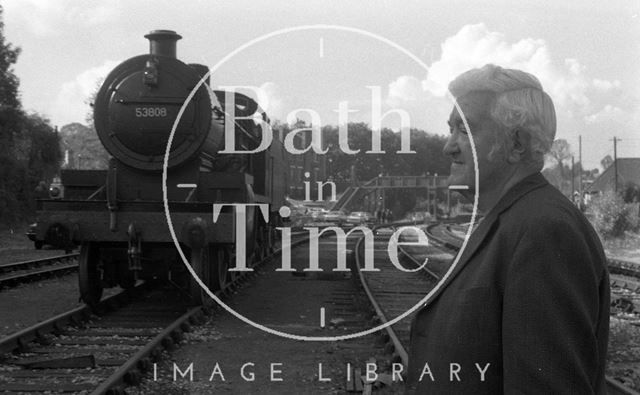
(388, 215)
(526, 309)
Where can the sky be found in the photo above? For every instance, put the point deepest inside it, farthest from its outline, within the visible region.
(302, 59)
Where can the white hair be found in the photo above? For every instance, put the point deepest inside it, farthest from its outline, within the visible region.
(519, 104)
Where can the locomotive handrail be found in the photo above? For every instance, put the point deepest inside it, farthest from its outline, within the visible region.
(162, 100)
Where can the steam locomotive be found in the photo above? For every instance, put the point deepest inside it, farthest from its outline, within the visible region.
(117, 215)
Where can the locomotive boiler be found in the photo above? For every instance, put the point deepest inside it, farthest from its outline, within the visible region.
(117, 215)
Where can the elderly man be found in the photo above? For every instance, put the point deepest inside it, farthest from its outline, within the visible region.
(526, 309)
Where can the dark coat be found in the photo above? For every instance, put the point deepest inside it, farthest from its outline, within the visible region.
(529, 296)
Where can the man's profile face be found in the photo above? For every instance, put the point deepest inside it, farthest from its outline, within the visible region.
(475, 107)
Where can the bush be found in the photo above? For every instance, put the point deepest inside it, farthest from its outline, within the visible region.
(612, 216)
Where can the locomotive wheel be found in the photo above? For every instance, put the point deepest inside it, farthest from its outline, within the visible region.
(200, 265)
(89, 274)
(273, 238)
(213, 273)
(260, 248)
(260, 253)
(221, 272)
(229, 258)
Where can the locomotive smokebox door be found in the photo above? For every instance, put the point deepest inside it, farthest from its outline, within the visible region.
(138, 104)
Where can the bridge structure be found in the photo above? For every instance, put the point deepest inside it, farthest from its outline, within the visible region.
(373, 195)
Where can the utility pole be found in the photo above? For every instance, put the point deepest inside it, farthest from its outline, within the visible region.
(573, 181)
(615, 161)
(581, 166)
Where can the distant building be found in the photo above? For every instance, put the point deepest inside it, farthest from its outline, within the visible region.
(628, 173)
(307, 163)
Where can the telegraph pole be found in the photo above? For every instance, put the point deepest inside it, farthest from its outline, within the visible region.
(615, 161)
(573, 181)
(581, 166)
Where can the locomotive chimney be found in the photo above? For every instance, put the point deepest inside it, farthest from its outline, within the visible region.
(163, 42)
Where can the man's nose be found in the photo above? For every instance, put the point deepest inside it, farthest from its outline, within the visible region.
(451, 146)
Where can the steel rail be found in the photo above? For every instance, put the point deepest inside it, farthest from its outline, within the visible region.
(119, 377)
(632, 284)
(19, 340)
(399, 349)
(36, 262)
(37, 273)
(19, 272)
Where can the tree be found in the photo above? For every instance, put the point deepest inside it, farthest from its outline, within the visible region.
(427, 159)
(606, 162)
(10, 108)
(559, 152)
(612, 216)
(35, 157)
(10, 121)
(8, 80)
(29, 144)
(83, 147)
(631, 193)
(44, 156)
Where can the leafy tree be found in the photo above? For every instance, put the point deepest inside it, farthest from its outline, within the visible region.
(83, 147)
(10, 108)
(36, 157)
(428, 158)
(29, 145)
(10, 121)
(44, 156)
(8, 80)
(612, 216)
(88, 118)
(631, 193)
(606, 162)
(559, 152)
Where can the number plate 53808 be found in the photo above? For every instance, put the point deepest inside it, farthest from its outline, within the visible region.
(145, 112)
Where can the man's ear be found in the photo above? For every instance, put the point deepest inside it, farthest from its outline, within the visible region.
(520, 140)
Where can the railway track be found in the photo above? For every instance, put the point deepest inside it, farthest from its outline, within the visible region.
(617, 267)
(19, 272)
(393, 292)
(630, 283)
(84, 351)
(105, 349)
(625, 268)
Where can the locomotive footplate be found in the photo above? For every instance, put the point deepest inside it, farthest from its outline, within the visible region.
(90, 221)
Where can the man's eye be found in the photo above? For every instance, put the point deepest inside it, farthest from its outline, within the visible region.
(462, 128)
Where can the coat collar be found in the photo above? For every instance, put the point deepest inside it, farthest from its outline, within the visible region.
(476, 239)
